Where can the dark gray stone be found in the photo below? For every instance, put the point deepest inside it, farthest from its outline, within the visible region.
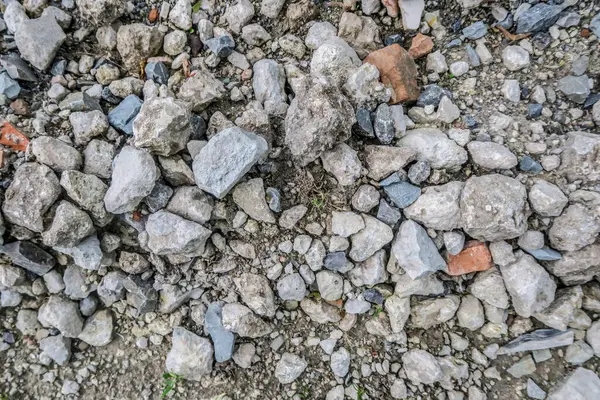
(365, 125)
(475, 31)
(419, 172)
(159, 197)
(432, 95)
(373, 296)
(528, 164)
(9, 87)
(540, 17)
(273, 196)
(223, 340)
(402, 194)
(140, 294)
(29, 256)
(17, 68)
(545, 254)
(121, 117)
(158, 72)
(534, 111)
(79, 101)
(538, 340)
(221, 46)
(388, 214)
(474, 59)
(384, 124)
(337, 261)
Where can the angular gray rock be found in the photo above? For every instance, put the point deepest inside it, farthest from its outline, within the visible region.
(291, 287)
(370, 239)
(547, 199)
(438, 207)
(488, 286)
(581, 384)
(577, 267)
(383, 160)
(334, 60)
(162, 126)
(470, 314)
(579, 157)
(435, 147)
(491, 155)
(576, 88)
(88, 192)
(531, 288)
(343, 163)
(55, 153)
(137, 42)
(289, 368)
(577, 227)
(133, 178)
(431, 312)
(226, 158)
(256, 293)
(268, 82)
(370, 272)
(515, 58)
(168, 233)
(250, 197)
(561, 312)
(29, 256)
(38, 40)
(191, 203)
(316, 120)
(69, 226)
(191, 356)
(98, 329)
(421, 367)
(101, 12)
(330, 284)
(63, 315)
(200, 90)
(98, 157)
(58, 348)
(223, 340)
(493, 207)
(87, 254)
(415, 252)
(87, 125)
(340, 362)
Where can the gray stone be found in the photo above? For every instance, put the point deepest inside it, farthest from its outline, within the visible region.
(577, 267)
(140, 294)
(365, 198)
(398, 310)
(191, 203)
(330, 284)
(488, 286)
(250, 197)
(58, 348)
(55, 153)
(238, 14)
(133, 263)
(384, 124)
(538, 18)
(256, 293)
(579, 352)
(137, 42)
(268, 82)
(168, 233)
(61, 314)
(290, 217)
(335, 60)
(421, 367)
(255, 35)
(534, 391)
(346, 223)
(476, 30)
(531, 240)
(581, 384)
(176, 171)
(316, 120)
(191, 356)
(88, 192)
(9, 87)
(577, 227)
(383, 160)
(221, 46)
(515, 58)
(111, 289)
(87, 125)
(431, 312)
(162, 126)
(226, 158)
(38, 40)
(370, 272)
(100, 12)
(223, 340)
(87, 254)
(291, 287)
(181, 14)
(576, 88)
(415, 251)
(357, 306)
(525, 366)
(17, 68)
(492, 155)
(29, 256)
(200, 90)
(98, 156)
(76, 287)
(340, 362)
(98, 329)
(319, 33)
(454, 242)
(122, 116)
(419, 172)
(289, 368)
(315, 255)
(438, 207)
(547, 199)
(492, 207)
(531, 288)
(388, 214)
(158, 198)
(470, 313)
(79, 101)
(69, 226)
(370, 239)
(578, 159)
(342, 162)
(133, 178)
(402, 194)
(538, 340)
(27, 322)
(435, 147)
(14, 15)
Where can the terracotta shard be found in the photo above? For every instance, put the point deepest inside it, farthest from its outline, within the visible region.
(474, 257)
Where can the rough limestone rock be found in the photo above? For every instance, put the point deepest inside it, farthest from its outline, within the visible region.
(577, 267)
(200, 90)
(362, 33)
(33, 190)
(226, 159)
(370, 239)
(38, 40)
(342, 162)
(438, 207)
(530, 287)
(250, 197)
(191, 356)
(162, 126)
(69, 226)
(421, 367)
(87, 125)
(434, 146)
(63, 315)
(335, 60)
(98, 329)
(493, 207)
(55, 153)
(577, 227)
(581, 384)
(168, 233)
(88, 192)
(137, 42)
(316, 120)
(415, 252)
(383, 160)
(133, 178)
(580, 159)
(256, 293)
(101, 12)
(191, 203)
(289, 368)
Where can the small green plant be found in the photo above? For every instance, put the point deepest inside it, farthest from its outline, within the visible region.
(378, 310)
(3, 396)
(450, 76)
(304, 392)
(318, 201)
(360, 392)
(196, 7)
(170, 381)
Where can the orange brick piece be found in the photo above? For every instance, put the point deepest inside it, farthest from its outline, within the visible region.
(421, 46)
(474, 257)
(398, 70)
